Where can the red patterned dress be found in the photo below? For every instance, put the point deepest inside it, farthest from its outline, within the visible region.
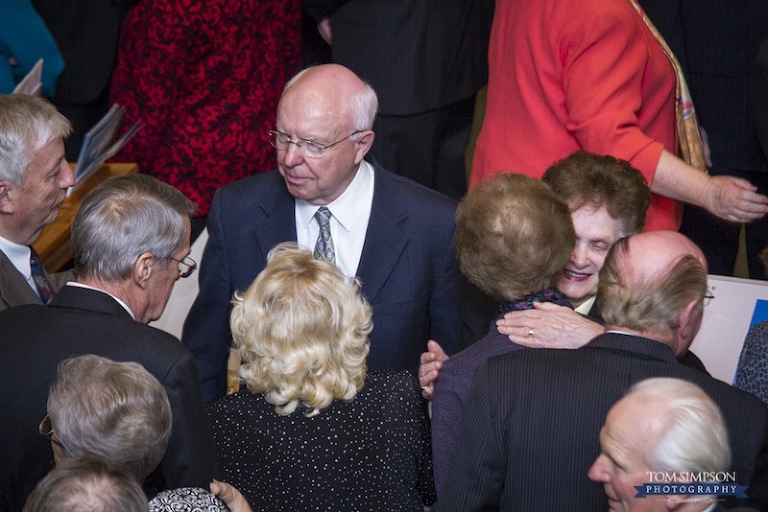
(204, 76)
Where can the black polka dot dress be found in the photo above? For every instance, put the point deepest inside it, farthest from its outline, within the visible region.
(370, 454)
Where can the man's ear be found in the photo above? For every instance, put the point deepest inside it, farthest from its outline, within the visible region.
(363, 144)
(675, 502)
(7, 204)
(142, 269)
(688, 325)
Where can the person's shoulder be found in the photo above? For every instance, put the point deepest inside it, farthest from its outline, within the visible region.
(724, 393)
(23, 311)
(604, 17)
(236, 403)
(469, 359)
(407, 191)
(391, 382)
(256, 185)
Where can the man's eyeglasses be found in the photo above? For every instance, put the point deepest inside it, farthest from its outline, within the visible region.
(187, 266)
(708, 297)
(46, 430)
(308, 148)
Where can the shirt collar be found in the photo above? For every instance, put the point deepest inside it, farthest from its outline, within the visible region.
(18, 255)
(345, 208)
(87, 287)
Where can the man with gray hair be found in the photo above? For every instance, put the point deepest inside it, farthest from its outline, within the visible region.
(130, 242)
(664, 431)
(87, 483)
(530, 430)
(34, 177)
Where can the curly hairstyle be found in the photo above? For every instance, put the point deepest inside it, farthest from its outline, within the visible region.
(513, 236)
(302, 332)
(585, 179)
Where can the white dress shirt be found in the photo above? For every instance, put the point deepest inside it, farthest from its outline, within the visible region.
(350, 213)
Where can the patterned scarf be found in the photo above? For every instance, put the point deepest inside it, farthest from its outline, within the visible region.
(687, 134)
(548, 295)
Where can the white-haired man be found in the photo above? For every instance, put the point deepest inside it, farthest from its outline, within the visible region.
(34, 177)
(664, 431)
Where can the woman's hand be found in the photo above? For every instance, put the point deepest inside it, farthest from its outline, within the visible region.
(548, 326)
(230, 496)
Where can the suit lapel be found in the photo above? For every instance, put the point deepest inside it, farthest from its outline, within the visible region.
(275, 217)
(385, 239)
(14, 289)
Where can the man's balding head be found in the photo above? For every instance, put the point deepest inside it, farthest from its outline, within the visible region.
(323, 132)
(654, 284)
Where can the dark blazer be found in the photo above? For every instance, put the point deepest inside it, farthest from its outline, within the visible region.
(14, 289)
(722, 40)
(35, 339)
(760, 95)
(86, 33)
(408, 269)
(418, 54)
(531, 427)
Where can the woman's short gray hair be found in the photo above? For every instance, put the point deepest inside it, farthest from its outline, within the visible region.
(117, 411)
(27, 123)
(123, 218)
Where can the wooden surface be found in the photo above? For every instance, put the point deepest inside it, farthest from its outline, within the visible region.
(54, 242)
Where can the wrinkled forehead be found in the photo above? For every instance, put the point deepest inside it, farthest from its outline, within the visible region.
(310, 107)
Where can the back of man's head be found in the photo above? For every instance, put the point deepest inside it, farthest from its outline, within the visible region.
(27, 123)
(114, 410)
(87, 484)
(654, 283)
(123, 218)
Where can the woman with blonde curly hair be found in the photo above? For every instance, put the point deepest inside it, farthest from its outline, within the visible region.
(314, 430)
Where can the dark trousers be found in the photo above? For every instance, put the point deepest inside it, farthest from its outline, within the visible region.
(720, 239)
(427, 148)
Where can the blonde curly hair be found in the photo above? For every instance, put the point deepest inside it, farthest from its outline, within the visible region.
(302, 332)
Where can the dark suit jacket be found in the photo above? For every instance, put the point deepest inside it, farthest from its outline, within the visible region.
(722, 39)
(760, 95)
(35, 339)
(408, 269)
(14, 289)
(417, 54)
(531, 428)
(86, 33)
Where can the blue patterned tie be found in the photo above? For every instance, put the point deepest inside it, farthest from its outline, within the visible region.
(38, 276)
(324, 246)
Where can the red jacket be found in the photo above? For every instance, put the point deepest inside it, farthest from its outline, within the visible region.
(567, 75)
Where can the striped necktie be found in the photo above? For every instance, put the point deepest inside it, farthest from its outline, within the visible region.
(38, 276)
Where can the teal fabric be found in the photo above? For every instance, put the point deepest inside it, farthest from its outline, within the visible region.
(25, 38)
